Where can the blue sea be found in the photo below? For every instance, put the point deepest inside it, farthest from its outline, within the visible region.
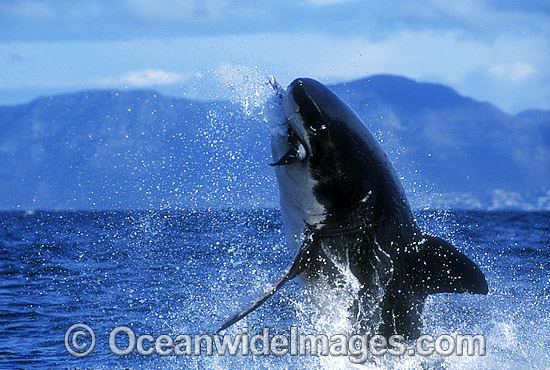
(186, 272)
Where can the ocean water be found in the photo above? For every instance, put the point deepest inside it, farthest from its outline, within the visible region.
(186, 272)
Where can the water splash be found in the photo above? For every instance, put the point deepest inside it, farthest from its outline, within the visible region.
(236, 141)
(249, 89)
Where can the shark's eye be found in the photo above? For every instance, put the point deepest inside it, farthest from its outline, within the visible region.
(317, 128)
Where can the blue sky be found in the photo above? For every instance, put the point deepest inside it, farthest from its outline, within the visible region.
(491, 50)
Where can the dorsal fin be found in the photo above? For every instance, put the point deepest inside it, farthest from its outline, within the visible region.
(441, 268)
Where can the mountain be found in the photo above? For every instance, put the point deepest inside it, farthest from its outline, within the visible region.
(456, 146)
(140, 149)
(129, 150)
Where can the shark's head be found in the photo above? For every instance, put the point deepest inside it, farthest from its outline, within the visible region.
(327, 161)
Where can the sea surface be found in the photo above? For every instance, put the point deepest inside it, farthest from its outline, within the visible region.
(186, 272)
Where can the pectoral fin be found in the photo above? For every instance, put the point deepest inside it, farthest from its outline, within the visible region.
(441, 268)
(300, 262)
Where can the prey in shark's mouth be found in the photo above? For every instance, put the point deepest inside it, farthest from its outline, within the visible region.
(345, 209)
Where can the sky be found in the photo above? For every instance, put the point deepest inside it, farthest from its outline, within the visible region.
(491, 50)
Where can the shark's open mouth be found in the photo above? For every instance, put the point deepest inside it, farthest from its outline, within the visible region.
(296, 152)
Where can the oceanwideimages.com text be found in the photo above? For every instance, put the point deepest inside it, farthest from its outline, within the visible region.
(80, 341)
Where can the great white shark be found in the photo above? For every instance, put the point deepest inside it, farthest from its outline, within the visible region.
(344, 209)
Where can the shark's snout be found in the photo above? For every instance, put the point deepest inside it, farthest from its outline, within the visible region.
(306, 99)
